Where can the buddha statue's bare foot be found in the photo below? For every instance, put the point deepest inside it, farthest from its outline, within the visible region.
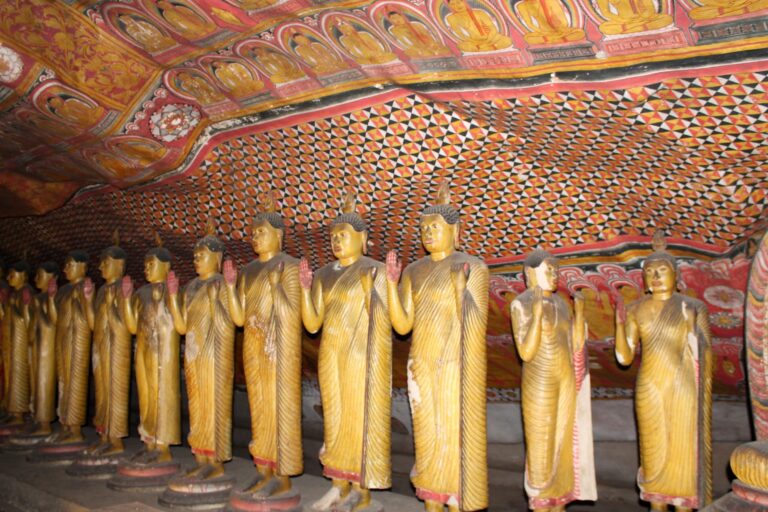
(163, 454)
(433, 506)
(270, 487)
(217, 469)
(142, 456)
(42, 429)
(357, 499)
(328, 501)
(113, 448)
(257, 484)
(197, 471)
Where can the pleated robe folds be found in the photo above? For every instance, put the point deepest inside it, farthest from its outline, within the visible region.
(447, 382)
(16, 321)
(355, 375)
(209, 367)
(73, 351)
(42, 335)
(272, 363)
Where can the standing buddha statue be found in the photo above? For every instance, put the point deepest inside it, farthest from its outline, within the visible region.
(265, 300)
(673, 394)
(348, 300)
(443, 299)
(559, 462)
(201, 313)
(146, 315)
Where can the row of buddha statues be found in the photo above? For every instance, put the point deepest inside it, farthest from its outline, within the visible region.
(441, 299)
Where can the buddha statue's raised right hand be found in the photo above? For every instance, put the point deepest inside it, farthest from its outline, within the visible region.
(127, 287)
(173, 283)
(305, 274)
(394, 267)
(230, 273)
(53, 287)
(88, 288)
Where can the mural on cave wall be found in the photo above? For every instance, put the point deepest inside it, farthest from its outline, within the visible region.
(225, 59)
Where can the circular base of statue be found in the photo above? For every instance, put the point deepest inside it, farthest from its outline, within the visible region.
(143, 477)
(10, 429)
(373, 506)
(56, 453)
(24, 441)
(288, 501)
(194, 493)
(95, 466)
(742, 498)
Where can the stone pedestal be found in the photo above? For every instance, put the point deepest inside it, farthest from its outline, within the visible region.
(192, 493)
(742, 498)
(56, 453)
(143, 477)
(249, 502)
(95, 466)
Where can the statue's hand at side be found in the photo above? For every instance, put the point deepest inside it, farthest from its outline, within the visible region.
(276, 274)
(367, 275)
(394, 267)
(173, 283)
(88, 288)
(537, 306)
(52, 288)
(230, 273)
(689, 314)
(621, 311)
(305, 274)
(459, 276)
(127, 287)
(578, 307)
(26, 296)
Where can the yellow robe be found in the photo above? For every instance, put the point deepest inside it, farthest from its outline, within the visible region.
(5, 345)
(111, 363)
(17, 330)
(209, 367)
(355, 375)
(42, 334)
(447, 382)
(73, 350)
(559, 463)
(272, 363)
(157, 367)
(673, 401)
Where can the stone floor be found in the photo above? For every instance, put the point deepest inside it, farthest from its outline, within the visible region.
(27, 487)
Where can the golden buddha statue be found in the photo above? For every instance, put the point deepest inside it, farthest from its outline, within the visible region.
(236, 78)
(265, 299)
(75, 111)
(559, 463)
(278, 67)
(709, 9)
(443, 299)
(317, 56)
(5, 294)
(72, 312)
(548, 22)
(140, 151)
(198, 87)
(15, 316)
(146, 315)
(631, 16)
(42, 332)
(111, 356)
(416, 39)
(673, 395)
(348, 300)
(145, 33)
(364, 48)
(202, 315)
(185, 20)
(475, 29)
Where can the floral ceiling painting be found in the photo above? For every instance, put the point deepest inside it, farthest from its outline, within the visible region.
(575, 125)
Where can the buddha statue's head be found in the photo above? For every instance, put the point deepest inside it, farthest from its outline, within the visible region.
(300, 39)
(440, 224)
(397, 18)
(209, 253)
(75, 266)
(267, 229)
(660, 269)
(346, 28)
(457, 5)
(540, 269)
(349, 233)
(45, 272)
(112, 260)
(18, 274)
(157, 262)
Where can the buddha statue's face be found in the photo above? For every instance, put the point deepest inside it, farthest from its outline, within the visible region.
(206, 261)
(111, 268)
(457, 5)
(17, 279)
(74, 271)
(265, 238)
(544, 276)
(42, 278)
(155, 271)
(397, 19)
(347, 243)
(346, 29)
(301, 39)
(436, 234)
(659, 277)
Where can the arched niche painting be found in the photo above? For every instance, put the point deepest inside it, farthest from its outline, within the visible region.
(357, 39)
(476, 26)
(138, 28)
(312, 48)
(193, 84)
(409, 30)
(236, 75)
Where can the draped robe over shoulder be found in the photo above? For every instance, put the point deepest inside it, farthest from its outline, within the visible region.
(209, 367)
(272, 363)
(17, 330)
(73, 350)
(42, 335)
(111, 361)
(447, 382)
(157, 367)
(673, 401)
(557, 419)
(355, 374)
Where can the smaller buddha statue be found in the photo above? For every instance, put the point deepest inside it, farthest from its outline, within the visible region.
(416, 39)
(111, 356)
(364, 48)
(559, 463)
(278, 67)
(146, 315)
(316, 55)
(631, 16)
(348, 300)
(548, 22)
(145, 33)
(673, 394)
(475, 29)
(188, 23)
(75, 111)
(198, 87)
(201, 313)
(236, 78)
(709, 9)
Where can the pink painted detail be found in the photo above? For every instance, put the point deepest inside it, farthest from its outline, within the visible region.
(493, 60)
(149, 471)
(426, 494)
(272, 503)
(536, 503)
(265, 462)
(749, 493)
(755, 339)
(296, 87)
(649, 42)
(341, 475)
(386, 70)
(678, 501)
